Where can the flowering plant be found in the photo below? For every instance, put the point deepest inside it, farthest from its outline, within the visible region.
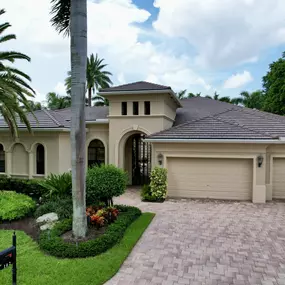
(158, 183)
(99, 216)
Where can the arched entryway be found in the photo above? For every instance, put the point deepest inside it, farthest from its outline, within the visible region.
(138, 159)
(96, 153)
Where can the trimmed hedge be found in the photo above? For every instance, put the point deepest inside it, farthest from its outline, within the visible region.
(28, 187)
(15, 206)
(52, 243)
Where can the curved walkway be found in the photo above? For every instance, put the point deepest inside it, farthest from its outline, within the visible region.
(207, 242)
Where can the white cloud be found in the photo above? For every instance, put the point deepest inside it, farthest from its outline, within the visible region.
(60, 88)
(224, 33)
(111, 33)
(238, 80)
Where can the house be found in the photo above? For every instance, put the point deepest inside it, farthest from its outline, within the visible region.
(211, 149)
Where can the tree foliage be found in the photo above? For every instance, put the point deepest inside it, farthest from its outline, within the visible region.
(14, 86)
(274, 87)
(96, 77)
(55, 101)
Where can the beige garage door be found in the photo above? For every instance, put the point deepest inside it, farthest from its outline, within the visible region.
(210, 178)
(278, 183)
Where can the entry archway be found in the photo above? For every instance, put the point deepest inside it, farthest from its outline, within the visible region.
(137, 159)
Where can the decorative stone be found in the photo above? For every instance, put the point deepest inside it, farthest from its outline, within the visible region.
(47, 218)
(47, 226)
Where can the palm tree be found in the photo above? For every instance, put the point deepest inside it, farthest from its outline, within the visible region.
(101, 101)
(34, 106)
(54, 101)
(70, 18)
(191, 95)
(218, 98)
(181, 94)
(13, 85)
(96, 78)
(254, 100)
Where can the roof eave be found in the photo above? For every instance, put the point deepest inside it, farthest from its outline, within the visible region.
(259, 141)
(141, 92)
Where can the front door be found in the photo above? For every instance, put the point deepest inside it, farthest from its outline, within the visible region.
(141, 160)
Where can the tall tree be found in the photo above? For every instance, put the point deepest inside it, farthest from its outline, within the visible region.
(96, 78)
(54, 101)
(253, 100)
(70, 17)
(14, 88)
(217, 97)
(274, 87)
(181, 94)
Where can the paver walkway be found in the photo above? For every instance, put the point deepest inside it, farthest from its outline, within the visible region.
(206, 242)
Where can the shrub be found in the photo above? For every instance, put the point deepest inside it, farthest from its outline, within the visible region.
(15, 206)
(100, 216)
(146, 194)
(158, 183)
(29, 187)
(52, 243)
(61, 206)
(57, 185)
(105, 182)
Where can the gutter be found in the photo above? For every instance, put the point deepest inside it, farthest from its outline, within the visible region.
(241, 141)
(138, 92)
(98, 121)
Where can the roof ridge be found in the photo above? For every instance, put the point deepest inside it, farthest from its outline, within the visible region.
(53, 118)
(243, 127)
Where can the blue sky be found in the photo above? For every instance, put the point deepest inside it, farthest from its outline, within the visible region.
(199, 45)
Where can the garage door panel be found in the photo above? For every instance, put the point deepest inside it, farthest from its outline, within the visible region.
(278, 183)
(210, 178)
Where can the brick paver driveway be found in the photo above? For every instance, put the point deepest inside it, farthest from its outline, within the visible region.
(199, 242)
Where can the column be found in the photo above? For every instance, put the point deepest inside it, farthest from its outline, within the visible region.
(31, 164)
(259, 178)
(8, 163)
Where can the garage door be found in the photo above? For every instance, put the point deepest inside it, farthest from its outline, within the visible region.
(210, 178)
(278, 183)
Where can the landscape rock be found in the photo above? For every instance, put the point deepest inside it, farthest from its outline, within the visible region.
(47, 218)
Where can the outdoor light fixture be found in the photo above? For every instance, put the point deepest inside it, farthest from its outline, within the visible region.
(260, 160)
(160, 159)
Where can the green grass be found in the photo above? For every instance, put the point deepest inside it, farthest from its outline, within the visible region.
(35, 268)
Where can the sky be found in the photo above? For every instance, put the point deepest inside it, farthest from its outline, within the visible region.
(199, 45)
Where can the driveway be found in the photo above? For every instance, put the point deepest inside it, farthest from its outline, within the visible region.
(207, 242)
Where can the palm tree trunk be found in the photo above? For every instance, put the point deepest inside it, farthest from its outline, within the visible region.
(89, 97)
(78, 48)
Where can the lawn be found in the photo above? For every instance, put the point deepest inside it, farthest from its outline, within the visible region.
(35, 268)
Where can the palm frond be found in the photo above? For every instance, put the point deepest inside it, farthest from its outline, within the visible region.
(61, 16)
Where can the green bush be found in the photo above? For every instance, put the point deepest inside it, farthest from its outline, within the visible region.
(29, 187)
(52, 243)
(15, 206)
(146, 194)
(104, 182)
(61, 206)
(57, 185)
(158, 183)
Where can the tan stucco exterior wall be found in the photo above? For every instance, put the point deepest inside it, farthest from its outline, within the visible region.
(246, 151)
(21, 154)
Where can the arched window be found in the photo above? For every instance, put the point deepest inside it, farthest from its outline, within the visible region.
(40, 159)
(96, 153)
(2, 158)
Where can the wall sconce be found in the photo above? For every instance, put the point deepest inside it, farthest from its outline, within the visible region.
(260, 160)
(160, 158)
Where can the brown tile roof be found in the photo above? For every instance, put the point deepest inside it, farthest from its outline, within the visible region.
(136, 86)
(203, 118)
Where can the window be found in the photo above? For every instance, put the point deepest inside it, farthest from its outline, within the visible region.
(135, 108)
(124, 108)
(96, 153)
(147, 108)
(2, 159)
(40, 159)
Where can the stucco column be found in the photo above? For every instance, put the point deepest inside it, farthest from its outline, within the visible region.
(259, 179)
(268, 181)
(9, 163)
(31, 164)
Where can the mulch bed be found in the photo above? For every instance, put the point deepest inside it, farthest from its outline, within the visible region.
(92, 233)
(28, 225)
